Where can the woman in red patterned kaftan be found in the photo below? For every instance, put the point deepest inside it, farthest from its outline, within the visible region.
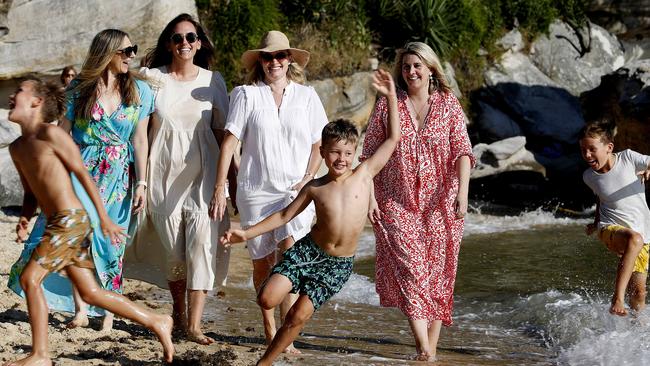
(421, 196)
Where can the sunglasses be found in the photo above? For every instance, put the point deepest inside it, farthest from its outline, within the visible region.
(177, 38)
(129, 51)
(268, 57)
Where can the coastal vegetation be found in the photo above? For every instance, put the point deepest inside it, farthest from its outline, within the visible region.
(343, 34)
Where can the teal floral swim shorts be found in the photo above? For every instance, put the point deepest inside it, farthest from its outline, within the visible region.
(313, 272)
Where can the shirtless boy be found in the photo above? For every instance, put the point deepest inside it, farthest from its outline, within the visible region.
(318, 265)
(44, 156)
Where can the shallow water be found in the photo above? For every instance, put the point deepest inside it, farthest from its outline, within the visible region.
(531, 289)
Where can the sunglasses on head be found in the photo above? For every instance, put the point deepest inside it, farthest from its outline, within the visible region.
(129, 51)
(191, 37)
(268, 57)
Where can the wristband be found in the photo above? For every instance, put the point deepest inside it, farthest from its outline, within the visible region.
(141, 183)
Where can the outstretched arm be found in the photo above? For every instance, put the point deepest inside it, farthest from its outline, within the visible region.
(68, 153)
(273, 221)
(383, 83)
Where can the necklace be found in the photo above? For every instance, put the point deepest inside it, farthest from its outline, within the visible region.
(418, 113)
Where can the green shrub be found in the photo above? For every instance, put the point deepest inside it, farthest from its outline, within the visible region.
(236, 26)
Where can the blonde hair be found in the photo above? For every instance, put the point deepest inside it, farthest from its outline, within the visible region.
(295, 72)
(438, 80)
(102, 49)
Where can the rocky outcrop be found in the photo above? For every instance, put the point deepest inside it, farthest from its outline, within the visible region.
(502, 156)
(629, 20)
(351, 97)
(624, 95)
(576, 58)
(11, 190)
(44, 36)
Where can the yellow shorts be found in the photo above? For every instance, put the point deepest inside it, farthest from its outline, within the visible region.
(606, 234)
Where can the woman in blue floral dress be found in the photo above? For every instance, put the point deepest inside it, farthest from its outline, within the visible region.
(107, 115)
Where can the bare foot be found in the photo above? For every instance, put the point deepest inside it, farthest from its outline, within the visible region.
(162, 326)
(200, 338)
(107, 322)
(618, 307)
(180, 325)
(80, 320)
(292, 350)
(31, 360)
(424, 357)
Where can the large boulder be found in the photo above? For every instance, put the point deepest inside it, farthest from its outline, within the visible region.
(629, 20)
(577, 58)
(624, 95)
(11, 190)
(505, 155)
(44, 36)
(351, 97)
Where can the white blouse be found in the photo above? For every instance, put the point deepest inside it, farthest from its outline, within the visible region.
(276, 142)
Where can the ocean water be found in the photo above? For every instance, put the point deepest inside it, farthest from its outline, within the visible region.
(532, 289)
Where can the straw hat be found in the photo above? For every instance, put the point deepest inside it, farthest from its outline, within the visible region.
(271, 42)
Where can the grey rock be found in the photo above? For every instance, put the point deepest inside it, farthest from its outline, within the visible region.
(9, 131)
(512, 41)
(505, 155)
(577, 59)
(494, 124)
(44, 36)
(351, 97)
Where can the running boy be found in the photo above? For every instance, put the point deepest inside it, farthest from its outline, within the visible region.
(622, 216)
(318, 265)
(44, 156)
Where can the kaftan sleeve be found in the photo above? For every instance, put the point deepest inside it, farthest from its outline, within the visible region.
(219, 102)
(459, 143)
(238, 112)
(317, 116)
(376, 131)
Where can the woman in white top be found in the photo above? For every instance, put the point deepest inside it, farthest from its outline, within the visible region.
(279, 122)
(190, 109)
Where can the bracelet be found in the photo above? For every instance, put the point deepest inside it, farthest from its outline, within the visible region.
(141, 183)
(309, 175)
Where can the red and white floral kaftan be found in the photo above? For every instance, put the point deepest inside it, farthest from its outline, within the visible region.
(418, 236)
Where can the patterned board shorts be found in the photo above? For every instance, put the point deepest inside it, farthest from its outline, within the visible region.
(65, 241)
(313, 272)
(606, 233)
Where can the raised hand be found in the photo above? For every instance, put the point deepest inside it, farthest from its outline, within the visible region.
(383, 83)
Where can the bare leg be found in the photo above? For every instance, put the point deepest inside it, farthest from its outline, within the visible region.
(31, 280)
(290, 299)
(91, 293)
(178, 290)
(197, 303)
(628, 244)
(261, 270)
(80, 311)
(421, 335)
(434, 334)
(637, 291)
(297, 316)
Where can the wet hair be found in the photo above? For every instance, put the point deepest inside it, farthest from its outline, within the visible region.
(53, 98)
(161, 56)
(295, 72)
(64, 73)
(340, 129)
(102, 49)
(603, 128)
(438, 80)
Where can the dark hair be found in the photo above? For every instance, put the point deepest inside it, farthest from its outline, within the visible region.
(161, 56)
(340, 129)
(603, 128)
(53, 98)
(65, 71)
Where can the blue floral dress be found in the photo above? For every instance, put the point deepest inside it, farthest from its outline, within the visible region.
(105, 144)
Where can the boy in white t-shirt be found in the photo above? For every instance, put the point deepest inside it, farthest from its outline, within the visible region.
(622, 216)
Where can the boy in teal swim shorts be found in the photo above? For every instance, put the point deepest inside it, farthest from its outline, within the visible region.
(318, 265)
(622, 216)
